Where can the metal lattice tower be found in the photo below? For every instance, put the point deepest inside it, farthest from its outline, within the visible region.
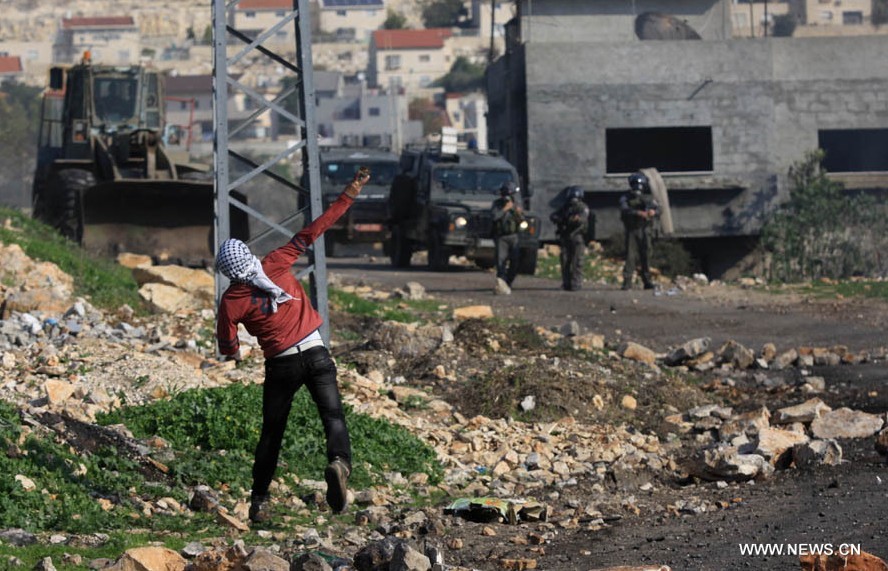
(235, 53)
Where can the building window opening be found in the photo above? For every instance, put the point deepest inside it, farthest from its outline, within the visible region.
(668, 149)
(854, 150)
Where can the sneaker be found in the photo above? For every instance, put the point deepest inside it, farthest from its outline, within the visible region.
(260, 509)
(336, 475)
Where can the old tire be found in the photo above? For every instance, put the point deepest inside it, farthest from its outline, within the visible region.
(527, 261)
(400, 248)
(439, 257)
(68, 187)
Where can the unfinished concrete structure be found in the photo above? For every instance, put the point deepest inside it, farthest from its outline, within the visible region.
(579, 99)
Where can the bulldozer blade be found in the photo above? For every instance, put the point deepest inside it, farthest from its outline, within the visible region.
(169, 220)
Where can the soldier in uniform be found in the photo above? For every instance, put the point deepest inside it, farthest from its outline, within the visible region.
(572, 223)
(507, 218)
(638, 210)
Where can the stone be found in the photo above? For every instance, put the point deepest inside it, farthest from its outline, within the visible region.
(517, 564)
(690, 350)
(165, 298)
(744, 424)
(473, 312)
(264, 560)
(528, 403)
(827, 452)
(628, 402)
(804, 412)
(636, 352)
(736, 355)
(311, 562)
(149, 559)
(785, 360)
(130, 260)
(768, 352)
(197, 282)
(58, 391)
(231, 521)
(45, 564)
(846, 423)
(882, 442)
(17, 537)
(727, 463)
(405, 558)
(570, 329)
(588, 341)
(774, 443)
(862, 561)
(25, 482)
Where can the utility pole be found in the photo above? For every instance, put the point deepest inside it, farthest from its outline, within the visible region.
(766, 18)
(235, 51)
(492, 53)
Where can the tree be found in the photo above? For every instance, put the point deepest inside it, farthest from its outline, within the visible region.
(880, 12)
(463, 76)
(784, 26)
(424, 110)
(394, 21)
(442, 13)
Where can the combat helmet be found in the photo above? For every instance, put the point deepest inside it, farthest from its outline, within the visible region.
(639, 182)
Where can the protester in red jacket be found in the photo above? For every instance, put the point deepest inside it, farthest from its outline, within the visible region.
(269, 301)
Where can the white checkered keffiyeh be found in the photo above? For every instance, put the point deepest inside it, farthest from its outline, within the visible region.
(237, 263)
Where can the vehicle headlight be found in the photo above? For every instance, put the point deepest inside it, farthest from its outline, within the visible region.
(460, 221)
(523, 225)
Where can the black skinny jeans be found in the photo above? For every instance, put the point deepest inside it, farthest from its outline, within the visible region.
(283, 377)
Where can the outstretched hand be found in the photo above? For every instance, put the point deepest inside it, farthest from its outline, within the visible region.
(355, 186)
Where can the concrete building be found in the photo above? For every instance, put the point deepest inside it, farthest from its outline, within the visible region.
(749, 19)
(411, 59)
(832, 13)
(467, 113)
(110, 39)
(189, 106)
(722, 119)
(350, 19)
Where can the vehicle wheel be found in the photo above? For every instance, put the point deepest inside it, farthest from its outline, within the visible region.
(400, 248)
(439, 257)
(527, 261)
(69, 186)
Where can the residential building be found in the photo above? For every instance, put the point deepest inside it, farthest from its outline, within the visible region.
(189, 106)
(831, 12)
(10, 68)
(410, 59)
(350, 19)
(501, 11)
(353, 115)
(254, 17)
(109, 39)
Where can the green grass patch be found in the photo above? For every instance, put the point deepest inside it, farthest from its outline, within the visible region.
(106, 284)
(402, 310)
(216, 431)
(594, 268)
(849, 289)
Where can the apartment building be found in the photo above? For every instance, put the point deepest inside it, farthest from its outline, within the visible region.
(350, 19)
(411, 59)
(253, 17)
(110, 40)
(10, 68)
(832, 12)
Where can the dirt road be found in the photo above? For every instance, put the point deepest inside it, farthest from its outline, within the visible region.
(657, 319)
(795, 510)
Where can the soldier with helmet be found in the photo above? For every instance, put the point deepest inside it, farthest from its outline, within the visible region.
(507, 218)
(638, 210)
(572, 223)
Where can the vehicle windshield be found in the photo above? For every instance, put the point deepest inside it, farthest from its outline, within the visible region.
(381, 173)
(471, 180)
(115, 98)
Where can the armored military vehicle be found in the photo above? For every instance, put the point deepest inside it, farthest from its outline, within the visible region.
(441, 203)
(365, 221)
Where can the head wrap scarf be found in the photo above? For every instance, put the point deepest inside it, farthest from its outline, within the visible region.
(239, 265)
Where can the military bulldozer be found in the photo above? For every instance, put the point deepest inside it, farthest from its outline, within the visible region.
(106, 179)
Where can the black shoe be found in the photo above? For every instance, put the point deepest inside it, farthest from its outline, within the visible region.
(649, 286)
(626, 286)
(260, 509)
(336, 475)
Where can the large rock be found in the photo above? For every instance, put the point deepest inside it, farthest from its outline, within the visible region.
(775, 444)
(857, 562)
(199, 283)
(33, 285)
(817, 452)
(165, 298)
(149, 559)
(804, 412)
(846, 423)
(736, 355)
(264, 560)
(636, 352)
(473, 312)
(690, 350)
(747, 423)
(407, 339)
(727, 463)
